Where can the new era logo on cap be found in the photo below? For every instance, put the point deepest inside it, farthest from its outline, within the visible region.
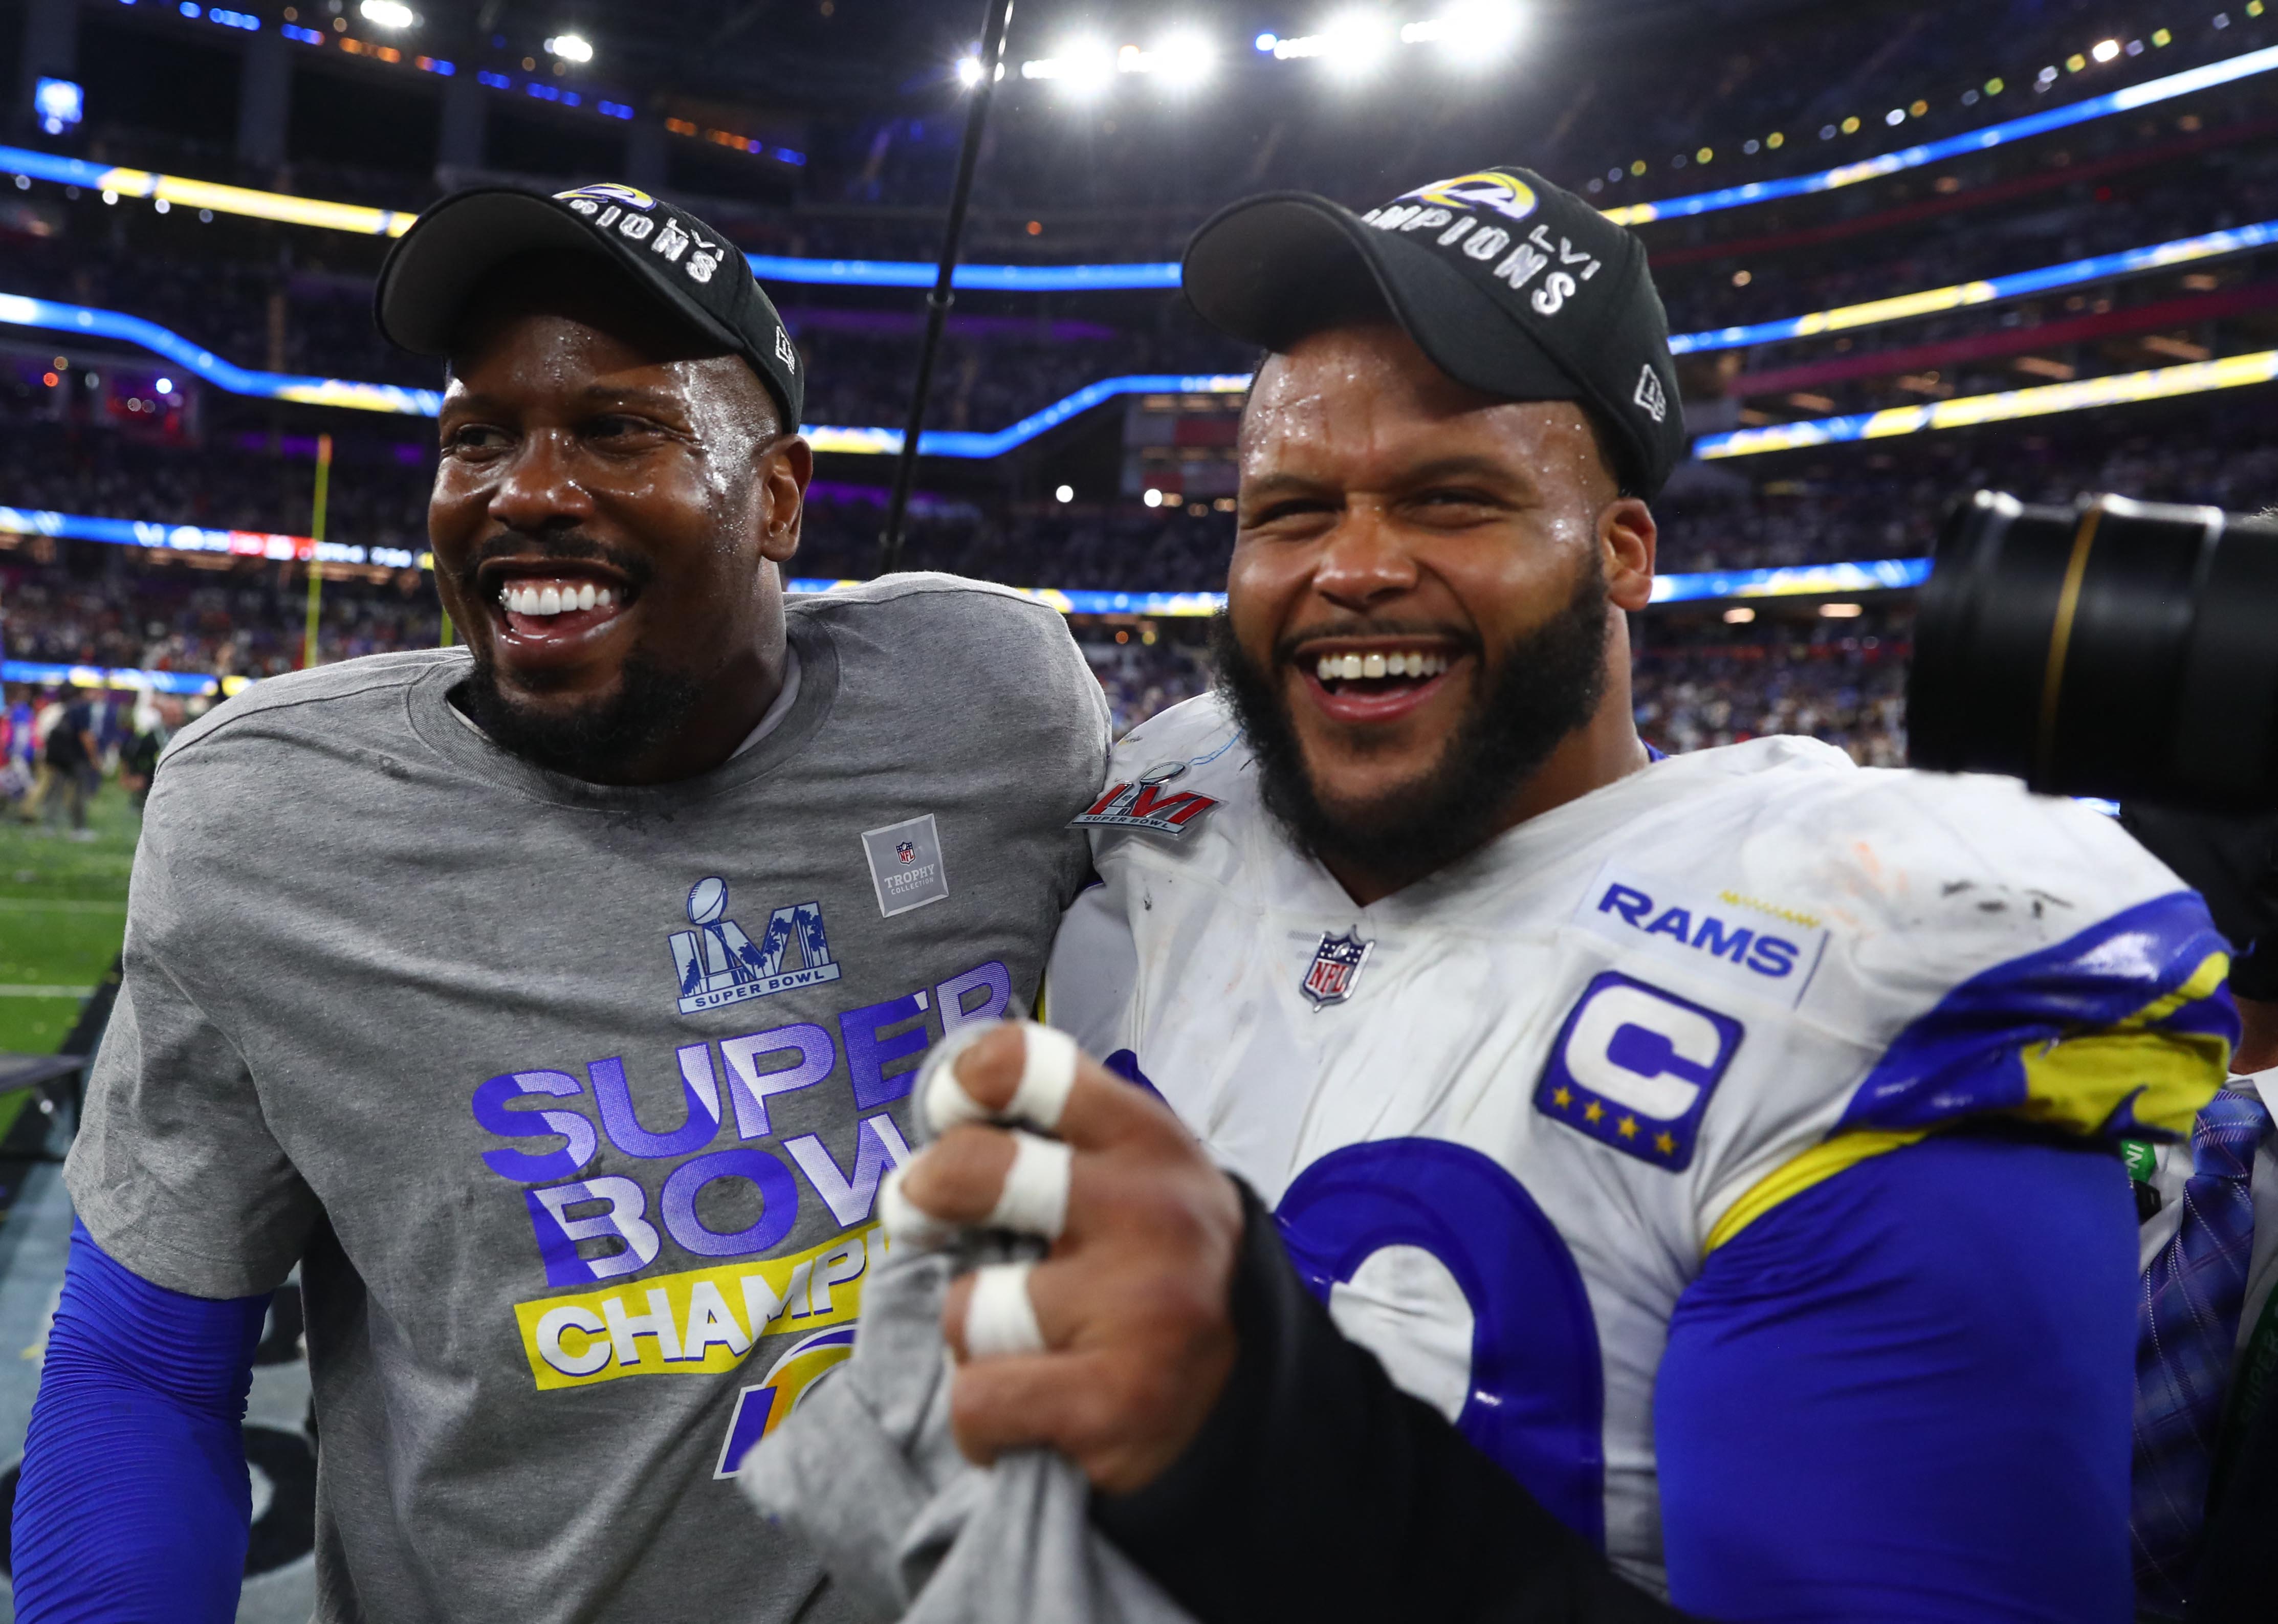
(1650, 394)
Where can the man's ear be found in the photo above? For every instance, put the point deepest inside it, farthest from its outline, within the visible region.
(786, 467)
(1629, 541)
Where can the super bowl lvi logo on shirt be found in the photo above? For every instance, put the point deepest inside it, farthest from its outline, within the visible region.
(719, 964)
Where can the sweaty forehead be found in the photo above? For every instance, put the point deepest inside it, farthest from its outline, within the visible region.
(572, 320)
(1355, 402)
(570, 301)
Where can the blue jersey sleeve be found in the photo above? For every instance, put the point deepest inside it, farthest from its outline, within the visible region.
(2124, 1029)
(132, 1502)
(1903, 1395)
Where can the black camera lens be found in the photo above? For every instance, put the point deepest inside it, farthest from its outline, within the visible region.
(2116, 648)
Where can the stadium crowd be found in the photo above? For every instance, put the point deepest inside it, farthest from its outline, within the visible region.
(1838, 681)
(1794, 507)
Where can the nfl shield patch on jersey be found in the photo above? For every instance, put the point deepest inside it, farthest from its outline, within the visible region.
(1634, 1068)
(1336, 967)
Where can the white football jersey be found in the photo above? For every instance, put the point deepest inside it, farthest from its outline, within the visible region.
(1504, 1114)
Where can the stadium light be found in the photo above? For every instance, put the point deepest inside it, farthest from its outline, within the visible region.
(968, 71)
(1473, 31)
(1084, 67)
(388, 13)
(59, 103)
(1065, 494)
(1180, 60)
(2105, 50)
(1266, 42)
(570, 47)
(1357, 43)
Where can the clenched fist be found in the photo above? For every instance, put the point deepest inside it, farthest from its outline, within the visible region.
(1114, 1347)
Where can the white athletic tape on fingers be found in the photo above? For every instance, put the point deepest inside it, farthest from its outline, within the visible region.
(942, 1099)
(999, 1318)
(1034, 1199)
(907, 1224)
(1047, 1074)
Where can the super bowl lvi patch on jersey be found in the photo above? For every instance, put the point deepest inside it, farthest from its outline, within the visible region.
(1145, 803)
(1634, 1067)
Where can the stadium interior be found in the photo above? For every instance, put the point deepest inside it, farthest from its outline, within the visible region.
(1909, 248)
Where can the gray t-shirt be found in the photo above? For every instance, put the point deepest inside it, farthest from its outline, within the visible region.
(571, 1101)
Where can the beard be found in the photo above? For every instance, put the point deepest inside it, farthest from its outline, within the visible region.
(1544, 687)
(596, 740)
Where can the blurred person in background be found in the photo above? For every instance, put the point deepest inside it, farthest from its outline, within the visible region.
(156, 718)
(2205, 1490)
(69, 766)
(18, 746)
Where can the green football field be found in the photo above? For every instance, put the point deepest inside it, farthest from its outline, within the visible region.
(62, 908)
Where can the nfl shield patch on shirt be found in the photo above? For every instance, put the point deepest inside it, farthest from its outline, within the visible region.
(905, 866)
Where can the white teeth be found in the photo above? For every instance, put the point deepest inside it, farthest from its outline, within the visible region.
(1355, 667)
(555, 598)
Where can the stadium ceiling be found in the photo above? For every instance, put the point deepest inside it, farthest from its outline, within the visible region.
(854, 54)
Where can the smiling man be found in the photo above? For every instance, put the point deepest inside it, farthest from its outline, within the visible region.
(1723, 1144)
(549, 1002)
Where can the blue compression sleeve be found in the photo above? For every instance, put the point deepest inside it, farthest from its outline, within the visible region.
(1903, 1395)
(134, 1503)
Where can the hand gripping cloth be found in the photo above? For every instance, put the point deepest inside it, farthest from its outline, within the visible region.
(868, 1474)
(865, 1470)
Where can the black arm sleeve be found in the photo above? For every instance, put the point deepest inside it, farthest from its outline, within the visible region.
(1318, 1489)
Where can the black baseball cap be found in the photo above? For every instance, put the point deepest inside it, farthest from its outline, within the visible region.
(693, 270)
(1509, 284)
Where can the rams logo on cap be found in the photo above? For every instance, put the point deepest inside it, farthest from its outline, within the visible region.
(1488, 189)
(609, 191)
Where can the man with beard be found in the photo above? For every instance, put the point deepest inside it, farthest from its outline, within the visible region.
(549, 1002)
(1724, 1145)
